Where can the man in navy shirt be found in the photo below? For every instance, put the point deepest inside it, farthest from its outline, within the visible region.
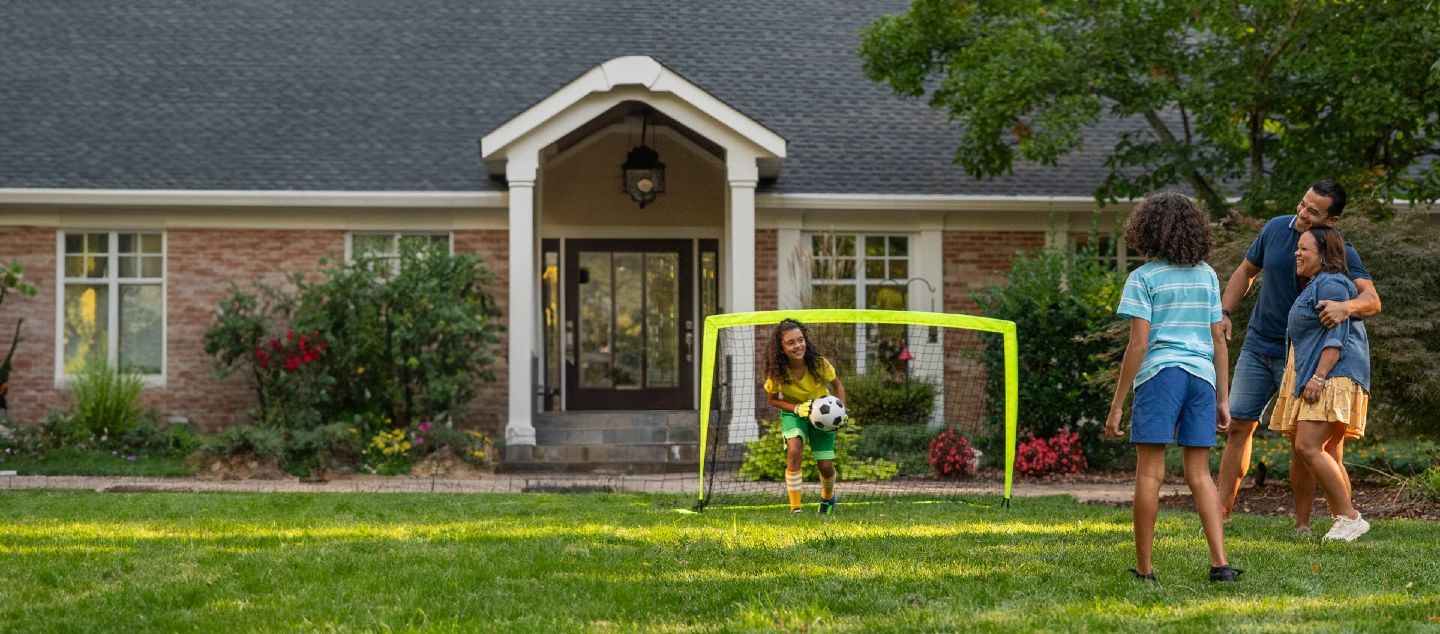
(1261, 361)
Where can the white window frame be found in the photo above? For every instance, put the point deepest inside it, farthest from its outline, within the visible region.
(1123, 260)
(395, 241)
(861, 282)
(113, 280)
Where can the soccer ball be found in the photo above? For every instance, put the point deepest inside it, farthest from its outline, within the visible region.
(827, 414)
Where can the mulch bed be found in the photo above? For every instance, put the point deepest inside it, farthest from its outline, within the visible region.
(1373, 498)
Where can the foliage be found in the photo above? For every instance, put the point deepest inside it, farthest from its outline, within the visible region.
(879, 398)
(1426, 484)
(78, 461)
(1060, 453)
(107, 400)
(951, 455)
(1260, 96)
(175, 440)
(265, 442)
(312, 451)
(1056, 302)
(907, 446)
(10, 282)
(766, 457)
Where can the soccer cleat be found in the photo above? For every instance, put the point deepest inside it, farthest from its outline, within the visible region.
(1224, 574)
(827, 507)
(1346, 529)
(1145, 577)
(796, 511)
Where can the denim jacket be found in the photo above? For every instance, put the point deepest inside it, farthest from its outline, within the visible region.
(1310, 337)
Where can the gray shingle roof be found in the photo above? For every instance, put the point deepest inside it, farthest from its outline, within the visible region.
(395, 94)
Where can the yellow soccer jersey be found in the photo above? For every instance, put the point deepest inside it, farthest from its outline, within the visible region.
(808, 387)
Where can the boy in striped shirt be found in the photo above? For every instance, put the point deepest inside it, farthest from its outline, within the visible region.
(1175, 355)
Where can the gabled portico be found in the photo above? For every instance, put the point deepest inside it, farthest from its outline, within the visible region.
(520, 150)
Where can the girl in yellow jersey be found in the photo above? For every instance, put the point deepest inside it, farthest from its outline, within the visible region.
(796, 375)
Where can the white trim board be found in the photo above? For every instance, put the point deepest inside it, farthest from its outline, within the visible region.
(252, 198)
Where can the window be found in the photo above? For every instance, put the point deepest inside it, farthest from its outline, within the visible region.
(865, 272)
(112, 308)
(387, 246)
(1109, 248)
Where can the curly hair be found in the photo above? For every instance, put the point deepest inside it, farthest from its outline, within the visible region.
(777, 365)
(1168, 225)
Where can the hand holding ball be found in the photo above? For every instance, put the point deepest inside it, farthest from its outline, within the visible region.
(828, 413)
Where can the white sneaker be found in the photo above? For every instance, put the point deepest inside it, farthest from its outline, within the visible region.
(1346, 529)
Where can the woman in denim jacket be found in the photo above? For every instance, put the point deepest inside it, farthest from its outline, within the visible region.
(1326, 390)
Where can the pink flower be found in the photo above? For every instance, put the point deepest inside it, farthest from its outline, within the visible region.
(419, 440)
(425, 426)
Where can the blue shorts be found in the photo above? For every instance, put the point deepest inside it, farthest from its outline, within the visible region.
(1256, 381)
(1174, 406)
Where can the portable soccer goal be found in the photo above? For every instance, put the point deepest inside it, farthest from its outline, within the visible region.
(932, 399)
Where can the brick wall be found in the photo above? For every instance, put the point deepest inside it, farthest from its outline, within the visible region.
(488, 411)
(972, 261)
(767, 269)
(199, 264)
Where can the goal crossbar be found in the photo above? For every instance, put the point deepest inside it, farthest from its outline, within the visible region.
(1006, 329)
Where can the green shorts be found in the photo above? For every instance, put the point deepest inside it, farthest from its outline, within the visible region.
(822, 443)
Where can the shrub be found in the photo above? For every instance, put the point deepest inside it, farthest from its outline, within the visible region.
(1058, 302)
(878, 398)
(1061, 453)
(107, 400)
(264, 442)
(1427, 484)
(906, 445)
(148, 438)
(10, 281)
(951, 455)
(765, 459)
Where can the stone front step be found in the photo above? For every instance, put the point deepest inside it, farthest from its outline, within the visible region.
(609, 442)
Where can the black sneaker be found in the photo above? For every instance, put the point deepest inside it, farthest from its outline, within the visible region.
(827, 507)
(1224, 574)
(1146, 577)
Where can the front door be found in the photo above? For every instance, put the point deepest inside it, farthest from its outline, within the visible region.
(629, 315)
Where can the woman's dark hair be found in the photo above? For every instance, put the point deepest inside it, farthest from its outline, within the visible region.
(777, 367)
(1332, 249)
(1168, 225)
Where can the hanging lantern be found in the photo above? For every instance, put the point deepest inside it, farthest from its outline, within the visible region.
(643, 173)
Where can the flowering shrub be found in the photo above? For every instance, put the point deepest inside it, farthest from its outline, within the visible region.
(951, 455)
(1060, 453)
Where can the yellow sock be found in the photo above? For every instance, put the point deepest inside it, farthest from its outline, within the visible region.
(827, 487)
(792, 488)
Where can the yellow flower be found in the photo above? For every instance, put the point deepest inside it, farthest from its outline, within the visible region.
(478, 454)
(387, 421)
(352, 430)
(405, 447)
(389, 450)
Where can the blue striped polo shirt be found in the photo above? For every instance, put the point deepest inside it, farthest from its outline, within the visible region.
(1180, 302)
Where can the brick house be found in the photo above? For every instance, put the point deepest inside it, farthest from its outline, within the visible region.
(151, 152)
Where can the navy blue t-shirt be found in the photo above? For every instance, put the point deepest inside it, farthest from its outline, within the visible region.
(1274, 252)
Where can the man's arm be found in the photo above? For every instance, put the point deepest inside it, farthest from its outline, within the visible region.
(1365, 305)
(1235, 291)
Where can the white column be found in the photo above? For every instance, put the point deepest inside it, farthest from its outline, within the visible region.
(740, 236)
(519, 429)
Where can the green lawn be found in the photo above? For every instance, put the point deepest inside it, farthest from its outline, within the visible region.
(73, 462)
(81, 561)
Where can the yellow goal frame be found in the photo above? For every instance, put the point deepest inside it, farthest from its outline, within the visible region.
(1006, 329)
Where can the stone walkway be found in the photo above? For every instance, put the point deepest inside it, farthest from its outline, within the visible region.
(500, 483)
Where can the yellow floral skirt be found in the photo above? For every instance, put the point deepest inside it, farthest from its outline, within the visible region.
(1343, 401)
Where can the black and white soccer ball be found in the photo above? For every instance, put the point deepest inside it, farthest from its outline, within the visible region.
(828, 414)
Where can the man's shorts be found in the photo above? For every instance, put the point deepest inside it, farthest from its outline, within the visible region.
(1256, 381)
(1174, 406)
(822, 443)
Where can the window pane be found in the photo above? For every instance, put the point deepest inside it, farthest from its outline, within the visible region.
(150, 243)
(596, 311)
(629, 320)
(97, 243)
(152, 266)
(899, 269)
(819, 245)
(821, 269)
(875, 245)
(845, 269)
(129, 266)
(899, 245)
(370, 246)
(709, 284)
(875, 269)
(845, 246)
(140, 327)
(550, 301)
(440, 240)
(414, 242)
(885, 297)
(87, 315)
(662, 319)
(74, 243)
(74, 266)
(97, 267)
(128, 243)
(832, 296)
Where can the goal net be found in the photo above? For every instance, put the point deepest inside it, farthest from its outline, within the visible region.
(932, 400)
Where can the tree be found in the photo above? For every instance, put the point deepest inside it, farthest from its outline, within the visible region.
(1256, 98)
(10, 281)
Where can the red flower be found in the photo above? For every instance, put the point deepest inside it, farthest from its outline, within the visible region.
(292, 363)
(275, 343)
(290, 335)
